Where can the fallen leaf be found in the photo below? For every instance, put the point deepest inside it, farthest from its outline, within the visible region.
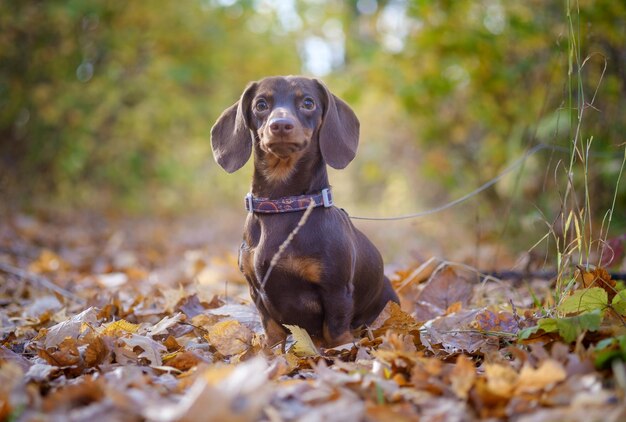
(501, 379)
(115, 328)
(230, 337)
(456, 334)
(112, 280)
(598, 277)
(235, 394)
(70, 328)
(96, 352)
(303, 345)
(584, 300)
(162, 326)
(462, 377)
(392, 317)
(65, 354)
(48, 261)
(151, 349)
(184, 361)
(548, 373)
(441, 292)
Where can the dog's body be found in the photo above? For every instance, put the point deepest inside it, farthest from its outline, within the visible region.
(330, 278)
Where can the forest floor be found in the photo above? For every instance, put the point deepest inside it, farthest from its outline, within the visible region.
(149, 319)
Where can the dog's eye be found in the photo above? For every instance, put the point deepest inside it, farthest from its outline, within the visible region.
(261, 105)
(308, 104)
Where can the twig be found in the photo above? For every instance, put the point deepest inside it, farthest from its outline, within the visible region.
(40, 281)
(287, 241)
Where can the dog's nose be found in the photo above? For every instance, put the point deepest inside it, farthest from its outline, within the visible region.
(281, 126)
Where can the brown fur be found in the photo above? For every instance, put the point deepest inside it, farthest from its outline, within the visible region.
(330, 280)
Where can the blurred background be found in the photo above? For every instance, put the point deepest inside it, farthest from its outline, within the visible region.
(108, 105)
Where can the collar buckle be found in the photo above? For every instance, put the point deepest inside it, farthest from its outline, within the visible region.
(326, 198)
(249, 204)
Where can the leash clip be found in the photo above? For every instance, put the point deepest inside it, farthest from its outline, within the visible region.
(328, 201)
(248, 200)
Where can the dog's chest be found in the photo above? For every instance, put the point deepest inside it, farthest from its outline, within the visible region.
(264, 250)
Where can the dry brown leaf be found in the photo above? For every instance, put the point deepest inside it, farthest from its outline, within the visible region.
(598, 277)
(96, 352)
(462, 377)
(500, 321)
(392, 317)
(171, 344)
(67, 397)
(184, 361)
(48, 261)
(456, 334)
(162, 326)
(486, 402)
(230, 337)
(547, 374)
(454, 308)
(65, 354)
(191, 306)
(70, 328)
(501, 379)
(151, 349)
(440, 292)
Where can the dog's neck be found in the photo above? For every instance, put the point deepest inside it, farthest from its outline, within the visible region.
(275, 179)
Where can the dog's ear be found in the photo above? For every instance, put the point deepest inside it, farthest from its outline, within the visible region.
(339, 131)
(231, 138)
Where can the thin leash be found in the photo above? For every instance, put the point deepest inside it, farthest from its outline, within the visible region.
(464, 198)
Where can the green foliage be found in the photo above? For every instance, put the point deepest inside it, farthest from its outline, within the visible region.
(610, 349)
(584, 300)
(113, 100)
(619, 302)
(569, 328)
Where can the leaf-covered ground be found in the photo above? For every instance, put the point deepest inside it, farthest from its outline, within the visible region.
(132, 321)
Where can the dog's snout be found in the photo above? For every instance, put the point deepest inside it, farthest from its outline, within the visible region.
(281, 126)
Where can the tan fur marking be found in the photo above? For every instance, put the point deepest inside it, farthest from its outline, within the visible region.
(247, 262)
(344, 338)
(279, 170)
(309, 269)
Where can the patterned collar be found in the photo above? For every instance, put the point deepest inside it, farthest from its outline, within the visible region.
(288, 203)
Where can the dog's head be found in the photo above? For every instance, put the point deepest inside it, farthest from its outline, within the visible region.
(287, 117)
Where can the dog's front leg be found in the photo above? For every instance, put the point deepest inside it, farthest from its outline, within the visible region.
(338, 310)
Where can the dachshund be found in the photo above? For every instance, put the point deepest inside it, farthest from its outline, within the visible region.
(329, 280)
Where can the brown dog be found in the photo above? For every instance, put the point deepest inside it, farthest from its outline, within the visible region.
(330, 278)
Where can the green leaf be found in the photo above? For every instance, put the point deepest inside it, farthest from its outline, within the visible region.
(303, 345)
(603, 344)
(619, 302)
(527, 332)
(571, 327)
(585, 300)
(610, 349)
(548, 325)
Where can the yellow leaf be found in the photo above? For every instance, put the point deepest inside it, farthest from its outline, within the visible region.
(548, 373)
(116, 327)
(230, 337)
(462, 377)
(303, 344)
(501, 379)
